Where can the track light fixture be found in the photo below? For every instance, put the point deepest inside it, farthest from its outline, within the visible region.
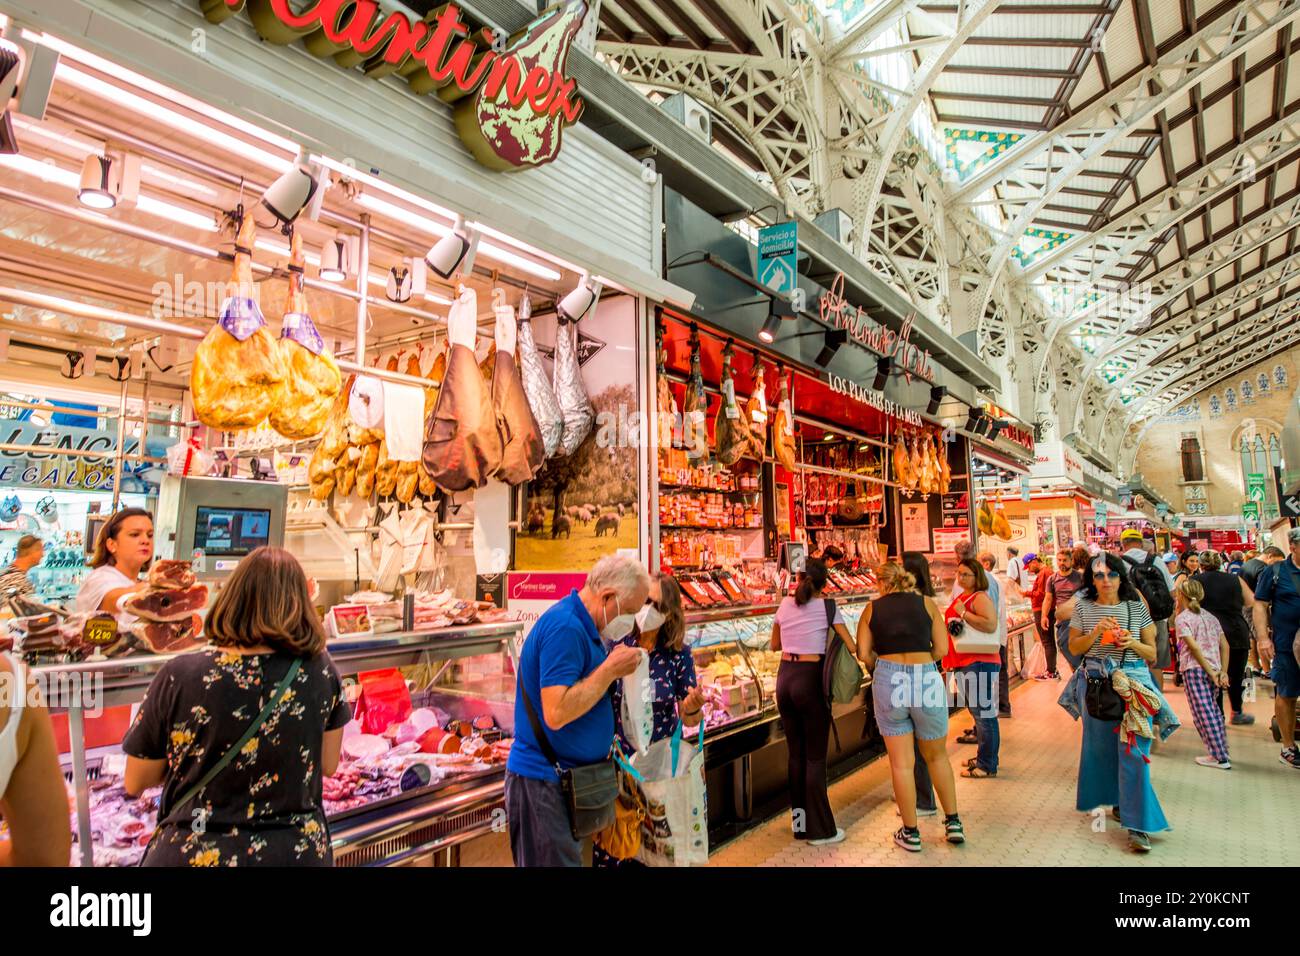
(334, 264)
(285, 198)
(578, 302)
(453, 252)
(973, 419)
(834, 339)
(767, 333)
(937, 395)
(101, 182)
(883, 367)
(995, 426)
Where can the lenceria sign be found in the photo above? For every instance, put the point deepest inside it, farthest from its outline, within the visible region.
(840, 313)
(512, 99)
(874, 399)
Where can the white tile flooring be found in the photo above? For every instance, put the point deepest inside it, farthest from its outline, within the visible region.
(1025, 816)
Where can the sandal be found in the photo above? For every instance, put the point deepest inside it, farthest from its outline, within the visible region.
(967, 737)
(976, 772)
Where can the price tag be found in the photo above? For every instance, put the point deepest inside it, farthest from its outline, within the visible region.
(789, 417)
(100, 630)
(729, 399)
(198, 560)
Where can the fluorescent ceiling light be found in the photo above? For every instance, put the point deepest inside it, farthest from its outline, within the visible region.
(374, 182)
(177, 214)
(48, 172)
(158, 89)
(120, 96)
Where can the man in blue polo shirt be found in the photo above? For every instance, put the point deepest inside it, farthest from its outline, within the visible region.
(1277, 590)
(567, 676)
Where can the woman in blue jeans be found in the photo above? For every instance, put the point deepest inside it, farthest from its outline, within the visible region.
(977, 674)
(1111, 630)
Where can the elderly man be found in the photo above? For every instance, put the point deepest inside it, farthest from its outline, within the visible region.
(14, 579)
(1277, 602)
(566, 675)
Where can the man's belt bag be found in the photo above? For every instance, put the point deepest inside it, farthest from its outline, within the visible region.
(590, 791)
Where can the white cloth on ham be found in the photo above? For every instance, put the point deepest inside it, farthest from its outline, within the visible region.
(506, 331)
(366, 402)
(403, 421)
(362, 746)
(462, 320)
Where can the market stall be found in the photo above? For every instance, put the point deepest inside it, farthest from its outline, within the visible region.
(418, 426)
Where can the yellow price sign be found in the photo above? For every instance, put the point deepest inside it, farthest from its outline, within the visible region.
(100, 631)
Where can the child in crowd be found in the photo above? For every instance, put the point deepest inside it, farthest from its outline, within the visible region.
(1202, 649)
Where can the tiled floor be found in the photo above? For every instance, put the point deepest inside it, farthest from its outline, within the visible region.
(1026, 817)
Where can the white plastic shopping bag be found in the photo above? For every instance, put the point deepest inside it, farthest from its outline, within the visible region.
(675, 831)
(639, 706)
(1035, 663)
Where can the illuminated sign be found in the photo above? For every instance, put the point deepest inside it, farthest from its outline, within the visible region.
(840, 313)
(512, 100)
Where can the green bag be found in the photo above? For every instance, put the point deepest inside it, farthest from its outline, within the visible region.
(841, 674)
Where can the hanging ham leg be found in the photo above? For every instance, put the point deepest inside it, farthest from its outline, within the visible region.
(756, 412)
(537, 386)
(575, 406)
(695, 429)
(462, 446)
(730, 430)
(783, 427)
(427, 487)
(237, 371)
(522, 452)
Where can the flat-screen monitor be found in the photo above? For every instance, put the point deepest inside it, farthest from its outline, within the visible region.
(94, 523)
(231, 532)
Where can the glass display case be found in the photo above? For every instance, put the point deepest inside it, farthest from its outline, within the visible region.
(406, 797)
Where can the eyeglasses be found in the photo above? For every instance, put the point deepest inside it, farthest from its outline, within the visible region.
(1103, 575)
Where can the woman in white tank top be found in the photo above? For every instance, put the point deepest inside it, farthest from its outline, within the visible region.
(33, 797)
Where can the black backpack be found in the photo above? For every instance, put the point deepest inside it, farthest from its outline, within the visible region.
(1150, 582)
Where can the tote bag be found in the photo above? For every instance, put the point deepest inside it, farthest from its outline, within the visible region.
(675, 831)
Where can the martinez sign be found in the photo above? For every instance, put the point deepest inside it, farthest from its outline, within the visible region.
(511, 98)
(840, 313)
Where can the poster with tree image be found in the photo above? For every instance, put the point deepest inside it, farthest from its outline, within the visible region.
(584, 506)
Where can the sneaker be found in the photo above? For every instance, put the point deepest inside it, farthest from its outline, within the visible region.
(826, 841)
(909, 840)
(1211, 762)
(953, 828)
(1290, 757)
(1056, 675)
(1139, 842)
(1243, 720)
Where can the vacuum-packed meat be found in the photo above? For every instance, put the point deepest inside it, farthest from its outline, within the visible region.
(237, 370)
(167, 604)
(575, 406)
(312, 379)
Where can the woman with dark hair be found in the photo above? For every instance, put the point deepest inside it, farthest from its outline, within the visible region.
(918, 566)
(900, 636)
(1112, 630)
(974, 608)
(1189, 564)
(1229, 599)
(661, 632)
(123, 549)
(241, 733)
(804, 622)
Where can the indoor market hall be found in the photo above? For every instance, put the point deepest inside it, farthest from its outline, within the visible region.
(694, 438)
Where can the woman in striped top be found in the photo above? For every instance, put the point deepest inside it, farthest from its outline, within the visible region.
(1112, 628)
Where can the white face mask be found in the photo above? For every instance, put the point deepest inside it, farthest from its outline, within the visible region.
(619, 627)
(649, 618)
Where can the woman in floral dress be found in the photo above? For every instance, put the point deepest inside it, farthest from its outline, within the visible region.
(264, 807)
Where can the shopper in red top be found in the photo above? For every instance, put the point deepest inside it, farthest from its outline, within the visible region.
(1038, 577)
(974, 609)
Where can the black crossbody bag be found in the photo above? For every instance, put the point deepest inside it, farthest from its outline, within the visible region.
(1103, 701)
(590, 791)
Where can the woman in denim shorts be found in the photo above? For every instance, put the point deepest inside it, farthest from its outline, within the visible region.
(900, 636)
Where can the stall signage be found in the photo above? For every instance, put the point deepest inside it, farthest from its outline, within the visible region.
(1288, 505)
(778, 256)
(874, 399)
(76, 472)
(1250, 512)
(838, 312)
(512, 97)
(532, 593)
(1255, 486)
(1025, 489)
(1100, 512)
(1016, 434)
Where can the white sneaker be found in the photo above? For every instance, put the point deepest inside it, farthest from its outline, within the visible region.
(1211, 762)
(838, 838)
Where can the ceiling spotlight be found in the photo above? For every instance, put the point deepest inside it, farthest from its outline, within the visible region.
(834, 339)
(11, 68)
(973, 419)
(578, 303)
(996, 425)
(830, 436)
(883, 368)
(937, 394)
(449, 253)
(101, 182)
(285, 198)
(334, 259)
(773, 322)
